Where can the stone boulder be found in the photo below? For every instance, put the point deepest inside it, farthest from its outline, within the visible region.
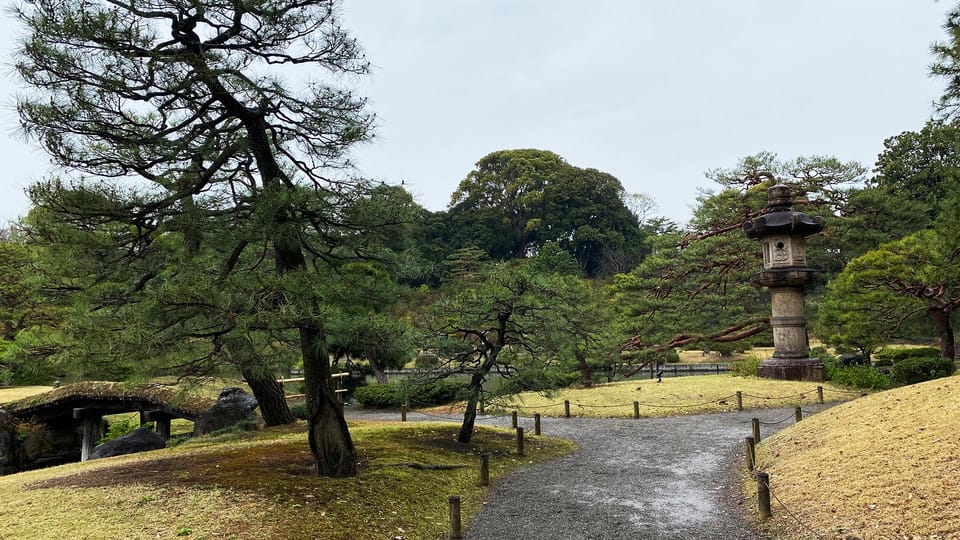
(139, 440)
(232, 407)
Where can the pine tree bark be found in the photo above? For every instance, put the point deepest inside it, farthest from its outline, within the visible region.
(329, 436)
(474, 389)
(270, 397)
(585, 372)
(941, 322)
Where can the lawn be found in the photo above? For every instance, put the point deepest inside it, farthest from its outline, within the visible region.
(673, 396)
(884, 466)
(263, 485)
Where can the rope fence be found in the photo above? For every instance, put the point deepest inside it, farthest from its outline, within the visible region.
(735, 401)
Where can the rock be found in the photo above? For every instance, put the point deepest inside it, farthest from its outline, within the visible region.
(140, 440)
(233, 406)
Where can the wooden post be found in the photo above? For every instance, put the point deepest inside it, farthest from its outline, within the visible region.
(566, 408)
(513, 419)
(756, 430)
(90, 422)
(519, 441)
(483, 409)
(403, 413)
(536, 424)
(820, 395)
(484, 469)
(718, 369)
(456, 531)
(763, 494)
(751, 453)
(636, 410)
(739, 400)
(163, 427)
(798, 413)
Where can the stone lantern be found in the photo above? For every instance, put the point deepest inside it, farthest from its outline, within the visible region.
(782, 234)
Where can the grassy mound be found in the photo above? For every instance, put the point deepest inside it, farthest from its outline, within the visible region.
(674, 396)
(191, 403)
(263, 485)
(884, 466)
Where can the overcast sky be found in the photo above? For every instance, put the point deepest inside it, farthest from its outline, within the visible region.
(653, 92)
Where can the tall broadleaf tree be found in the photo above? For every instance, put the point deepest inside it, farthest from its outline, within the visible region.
(174, 123)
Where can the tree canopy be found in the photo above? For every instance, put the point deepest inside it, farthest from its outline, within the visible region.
(182, 120)
(515, 201)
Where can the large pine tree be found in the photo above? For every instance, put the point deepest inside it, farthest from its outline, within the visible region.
(174, 124)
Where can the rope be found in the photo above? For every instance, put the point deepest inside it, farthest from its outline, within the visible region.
(844, 391)
(800, 395)
(538, 407)
(711, 402)
(603, 406)
(779, 422)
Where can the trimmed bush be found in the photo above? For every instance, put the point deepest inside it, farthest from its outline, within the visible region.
(915, 370)
(387, 396)
(299, 411)
(895, 355)
(746, 367)
(858, 377)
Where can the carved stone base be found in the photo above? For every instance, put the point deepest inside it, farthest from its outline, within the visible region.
(792, 369)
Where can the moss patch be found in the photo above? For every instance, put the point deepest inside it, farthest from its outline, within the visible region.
(264, 485)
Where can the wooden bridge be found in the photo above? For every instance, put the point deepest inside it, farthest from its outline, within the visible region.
(89, 402)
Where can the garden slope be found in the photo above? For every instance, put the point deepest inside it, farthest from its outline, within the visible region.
(883, 466)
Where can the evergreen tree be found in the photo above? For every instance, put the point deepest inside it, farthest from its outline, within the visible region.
(176, 117)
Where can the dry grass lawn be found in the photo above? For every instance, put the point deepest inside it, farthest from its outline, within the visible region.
(886, 466)
(14, 393)
(263, 485)
(677, 395)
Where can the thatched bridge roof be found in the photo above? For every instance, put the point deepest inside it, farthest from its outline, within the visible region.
(108, 397)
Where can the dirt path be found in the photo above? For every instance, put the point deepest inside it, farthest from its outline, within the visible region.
(657, 478)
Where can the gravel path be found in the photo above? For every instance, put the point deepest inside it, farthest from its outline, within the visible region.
(656, 479)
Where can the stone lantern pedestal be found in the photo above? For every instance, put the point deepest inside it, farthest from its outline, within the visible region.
(781, 231)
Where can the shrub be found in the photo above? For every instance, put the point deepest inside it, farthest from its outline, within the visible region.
(858, 377)
(385, 396)
(728, 348)
(118, 427)
(747, 367)
(915, 370)
(895, 355)
(669, 356)
(300, 411)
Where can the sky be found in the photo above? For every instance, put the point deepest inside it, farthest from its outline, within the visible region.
(655, 93)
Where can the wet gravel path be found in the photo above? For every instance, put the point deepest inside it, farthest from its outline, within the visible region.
(657, 479)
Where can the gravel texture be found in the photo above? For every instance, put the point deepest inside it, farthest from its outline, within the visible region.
(653, 478)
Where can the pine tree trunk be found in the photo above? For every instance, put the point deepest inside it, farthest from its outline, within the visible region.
(469, 413)
(474, 389)
(941, 321)
(329, 436)
(378, 370)
(585, 372)
(270, 397)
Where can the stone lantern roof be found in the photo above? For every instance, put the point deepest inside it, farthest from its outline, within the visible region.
(780, 219)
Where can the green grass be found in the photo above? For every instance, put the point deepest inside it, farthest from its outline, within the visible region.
(264, 485)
